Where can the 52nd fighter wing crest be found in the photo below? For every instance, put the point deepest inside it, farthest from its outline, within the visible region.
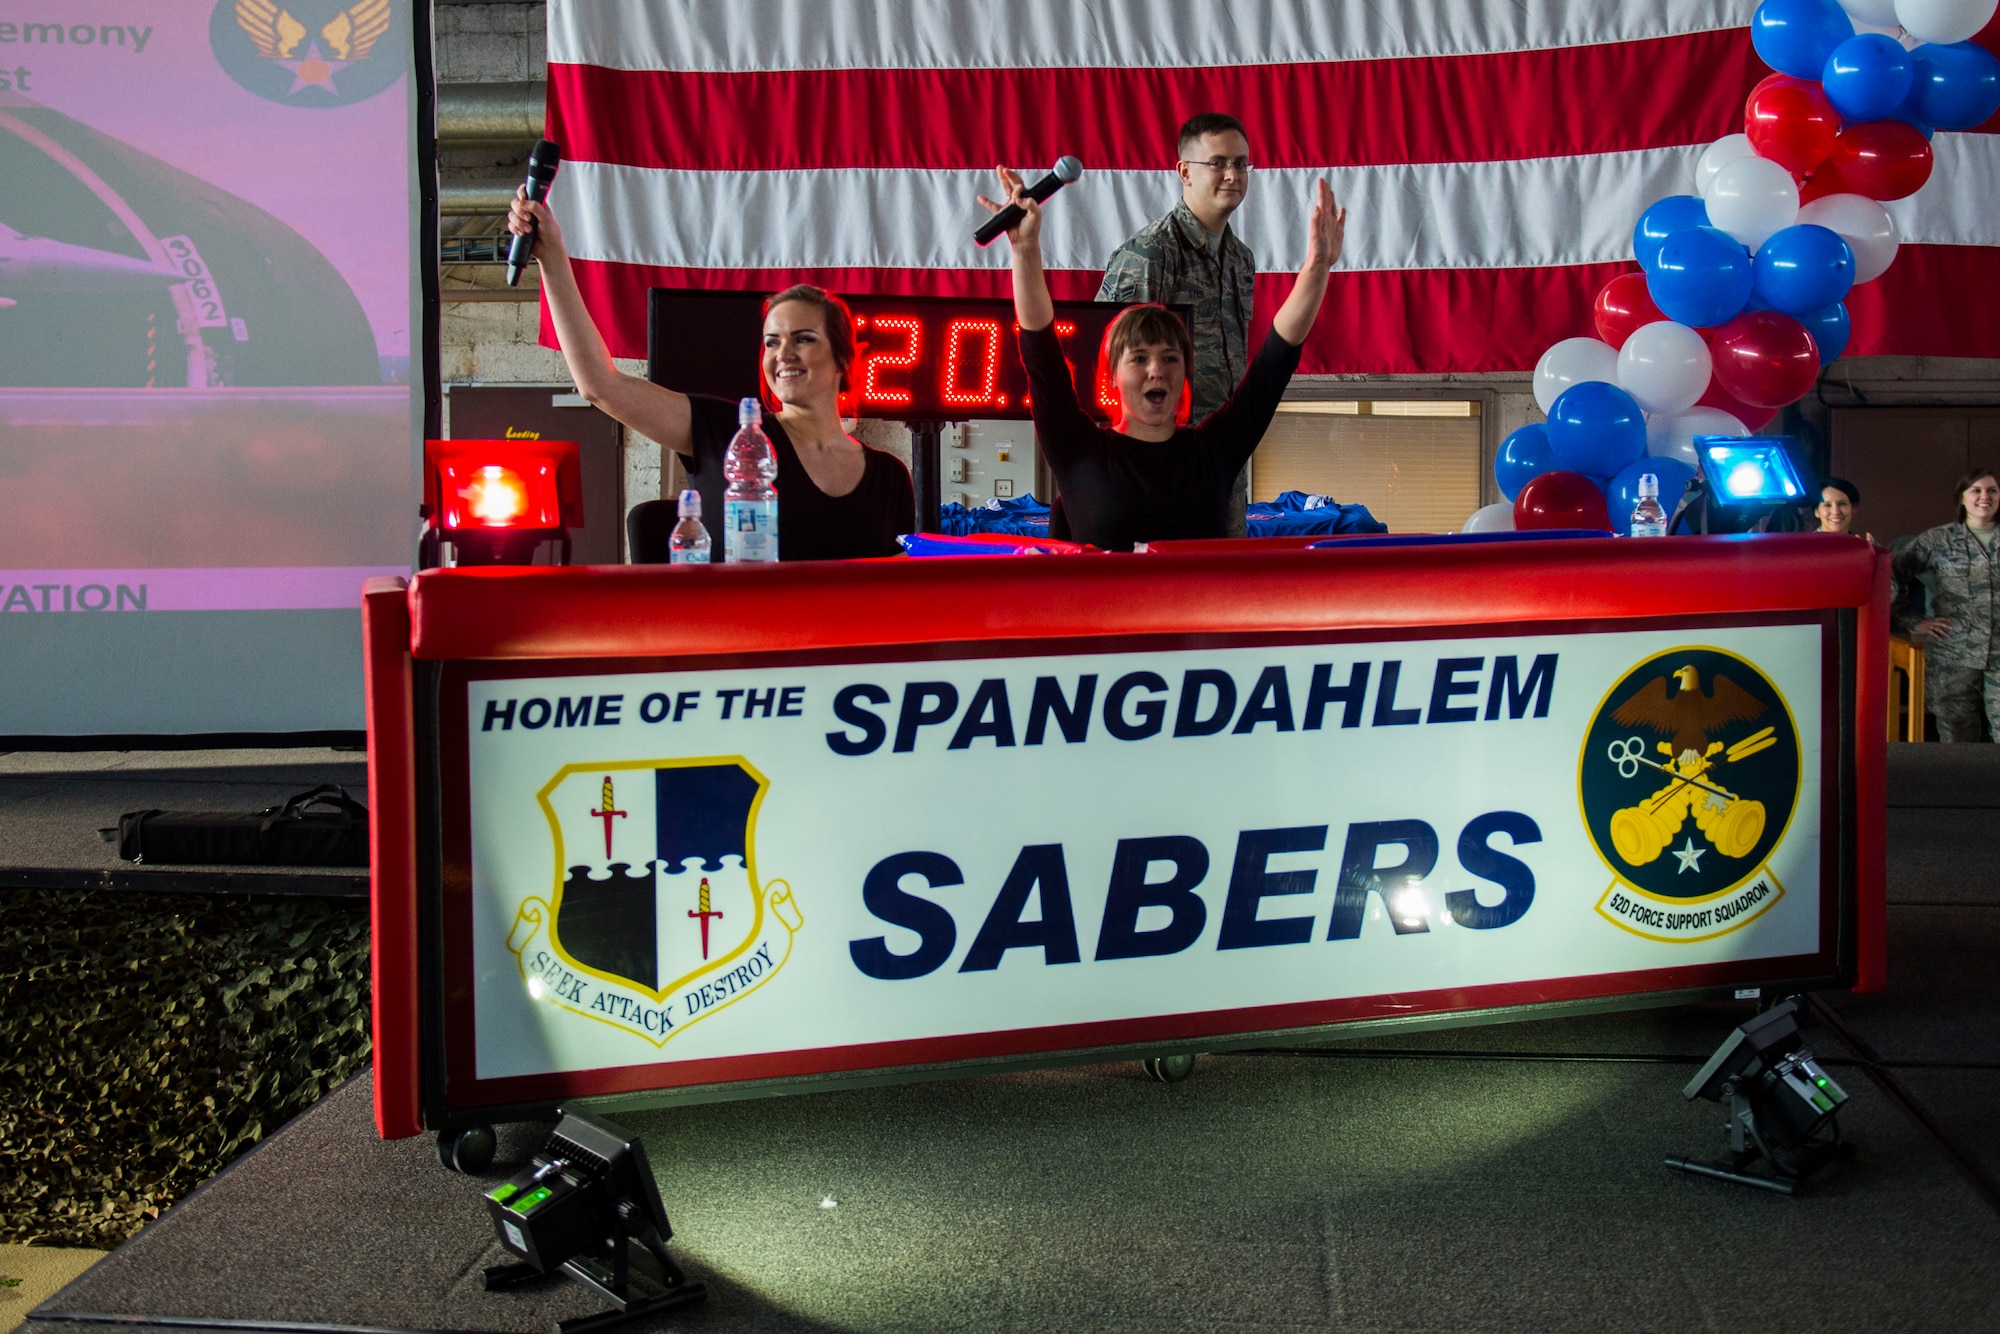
(659, 915)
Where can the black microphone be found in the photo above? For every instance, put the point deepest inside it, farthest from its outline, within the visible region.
(542, 164)
(1066, 170)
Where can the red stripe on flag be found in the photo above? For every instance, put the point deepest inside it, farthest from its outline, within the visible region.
(1931, 302)
(1612, 97)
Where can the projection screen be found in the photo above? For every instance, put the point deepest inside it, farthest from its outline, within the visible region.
(212, 384)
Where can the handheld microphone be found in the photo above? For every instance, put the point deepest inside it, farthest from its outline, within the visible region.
(1066, 170)
(542, 164)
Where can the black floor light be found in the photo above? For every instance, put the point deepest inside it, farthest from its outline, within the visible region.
(576, 1211)
(1779, 1100)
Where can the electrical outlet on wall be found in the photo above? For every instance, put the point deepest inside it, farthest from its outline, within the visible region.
(958, 472)
(1003, 486)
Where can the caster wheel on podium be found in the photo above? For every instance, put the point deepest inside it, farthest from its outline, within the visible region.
(1169, 1069)
(469, 1150)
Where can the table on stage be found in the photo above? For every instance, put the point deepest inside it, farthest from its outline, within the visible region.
(653, 833)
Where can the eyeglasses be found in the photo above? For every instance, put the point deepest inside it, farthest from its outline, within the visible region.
(1223, 165)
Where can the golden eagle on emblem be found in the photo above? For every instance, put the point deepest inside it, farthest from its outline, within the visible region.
(345, 39)
(1688, 715)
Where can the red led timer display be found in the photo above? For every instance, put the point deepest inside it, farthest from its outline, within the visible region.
(976, 370)
(920, 358)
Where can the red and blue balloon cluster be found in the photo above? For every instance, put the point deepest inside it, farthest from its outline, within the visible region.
(1740, 297)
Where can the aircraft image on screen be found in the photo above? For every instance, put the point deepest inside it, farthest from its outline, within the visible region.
(40, 264)
(121, 271)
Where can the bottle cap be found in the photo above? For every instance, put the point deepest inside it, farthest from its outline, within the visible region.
(690, 504)
(1649, 484)
(749, 412)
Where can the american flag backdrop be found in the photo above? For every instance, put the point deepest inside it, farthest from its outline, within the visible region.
(1493, 155)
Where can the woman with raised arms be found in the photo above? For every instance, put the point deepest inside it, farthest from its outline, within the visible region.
(837, 498)
(1151, 475)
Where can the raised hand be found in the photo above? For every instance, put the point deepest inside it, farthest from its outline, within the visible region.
(1325, 231)
(524, 216)
(1029, 228)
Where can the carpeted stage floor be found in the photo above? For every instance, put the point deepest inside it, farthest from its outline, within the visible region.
(1501, 1178)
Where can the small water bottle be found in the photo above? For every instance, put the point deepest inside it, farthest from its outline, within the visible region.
(1649, 519)
(749, 501)
(689, 543)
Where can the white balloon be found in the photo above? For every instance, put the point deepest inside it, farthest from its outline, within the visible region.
(1729, 148)
(1573, 361)
(1752, 198)
(1881, 13)
(1865, 225)
(1664, 366)
(1671, 436)
(1944, 20)
(1496, 518)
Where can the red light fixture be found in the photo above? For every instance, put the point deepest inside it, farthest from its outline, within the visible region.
(495, 501)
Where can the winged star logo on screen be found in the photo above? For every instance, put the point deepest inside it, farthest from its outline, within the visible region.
(311, 53)
(658, 916)
(1688, 779)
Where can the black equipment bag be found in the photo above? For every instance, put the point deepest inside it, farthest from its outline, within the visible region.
(323, 827)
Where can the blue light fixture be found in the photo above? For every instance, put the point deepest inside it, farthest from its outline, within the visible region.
(1749, 472)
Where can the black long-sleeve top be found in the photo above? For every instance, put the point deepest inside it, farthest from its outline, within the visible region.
(1117, 490)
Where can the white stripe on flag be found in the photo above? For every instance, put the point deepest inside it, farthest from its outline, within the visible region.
(1538, 211)
(746, 35)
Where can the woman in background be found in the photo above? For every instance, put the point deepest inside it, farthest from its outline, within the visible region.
(1962, 655)
(1838, 499)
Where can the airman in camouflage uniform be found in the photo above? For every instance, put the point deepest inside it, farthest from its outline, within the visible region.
(1191, 257)
(1962, 652)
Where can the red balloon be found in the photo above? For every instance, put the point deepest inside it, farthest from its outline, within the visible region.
(1623, 306)
(1790, 122)
(1561, 500)
(1883, 159)
(1764, 357)
(1825, 180)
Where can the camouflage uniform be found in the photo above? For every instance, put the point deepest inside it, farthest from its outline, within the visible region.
(1168, 261)
(1961, 669)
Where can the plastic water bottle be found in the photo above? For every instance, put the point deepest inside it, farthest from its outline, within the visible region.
(1649, 519)
(688, 545)
(749, 502)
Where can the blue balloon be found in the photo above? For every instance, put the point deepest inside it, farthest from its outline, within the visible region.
(1524, 456)
(1701, 277)
(1621, 497)
(1954, 87)
(1796, 36)
(1801, 268)
(1662, 219)
(1906, 111)
(1596, 429)
(1828, 327)
(1867, 77)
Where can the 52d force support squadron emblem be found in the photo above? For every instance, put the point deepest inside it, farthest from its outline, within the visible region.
(658, 918)
(1688, 779)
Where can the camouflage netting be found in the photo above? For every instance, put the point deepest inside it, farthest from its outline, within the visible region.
(146, 1041)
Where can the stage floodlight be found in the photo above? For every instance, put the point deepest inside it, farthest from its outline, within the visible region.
(1780, 1100)
(1746, 484)
(577, 1210)
(494, 502)
(1750, 471)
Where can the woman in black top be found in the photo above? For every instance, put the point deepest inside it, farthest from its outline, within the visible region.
(1151, 475)
(837, 498)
